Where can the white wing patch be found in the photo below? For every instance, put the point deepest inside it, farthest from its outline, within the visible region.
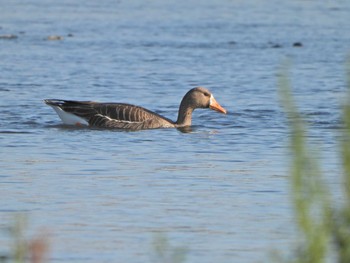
(69, 118)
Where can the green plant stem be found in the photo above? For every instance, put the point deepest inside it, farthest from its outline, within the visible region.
(310, 198)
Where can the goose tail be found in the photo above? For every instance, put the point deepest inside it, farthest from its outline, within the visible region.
(66, 117)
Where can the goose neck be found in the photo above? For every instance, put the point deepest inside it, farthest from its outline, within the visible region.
(185, 114)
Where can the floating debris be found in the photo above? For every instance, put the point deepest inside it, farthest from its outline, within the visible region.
(54, 38)
(10, 36)
(297, 44)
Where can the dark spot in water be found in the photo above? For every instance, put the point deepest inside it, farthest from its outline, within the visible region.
(276, 45)
(70, 35)
(297, 44)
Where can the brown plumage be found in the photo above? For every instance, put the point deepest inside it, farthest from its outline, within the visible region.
(127, 116)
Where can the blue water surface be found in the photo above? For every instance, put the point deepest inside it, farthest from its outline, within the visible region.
(222, 190)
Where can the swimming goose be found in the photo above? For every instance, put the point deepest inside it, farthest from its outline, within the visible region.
(127, 116)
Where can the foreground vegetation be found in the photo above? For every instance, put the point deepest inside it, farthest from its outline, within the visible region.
(33, 250)
(324, 228)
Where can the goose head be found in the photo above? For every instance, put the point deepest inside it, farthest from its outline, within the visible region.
(202, 98)
(196, 98)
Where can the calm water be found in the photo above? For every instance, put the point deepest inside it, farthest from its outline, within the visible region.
(221, 190)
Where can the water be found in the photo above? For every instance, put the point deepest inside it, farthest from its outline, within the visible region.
(221, 191)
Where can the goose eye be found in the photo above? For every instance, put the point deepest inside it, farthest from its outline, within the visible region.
(206, 94)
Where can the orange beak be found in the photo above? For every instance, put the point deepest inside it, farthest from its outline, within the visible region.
(214, 105)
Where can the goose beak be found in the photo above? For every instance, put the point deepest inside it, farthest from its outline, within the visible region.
(214, 105)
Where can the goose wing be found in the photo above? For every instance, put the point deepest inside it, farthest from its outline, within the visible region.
(112, 115)
(124, 116)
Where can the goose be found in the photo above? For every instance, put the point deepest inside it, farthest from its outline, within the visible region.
(131, 117)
